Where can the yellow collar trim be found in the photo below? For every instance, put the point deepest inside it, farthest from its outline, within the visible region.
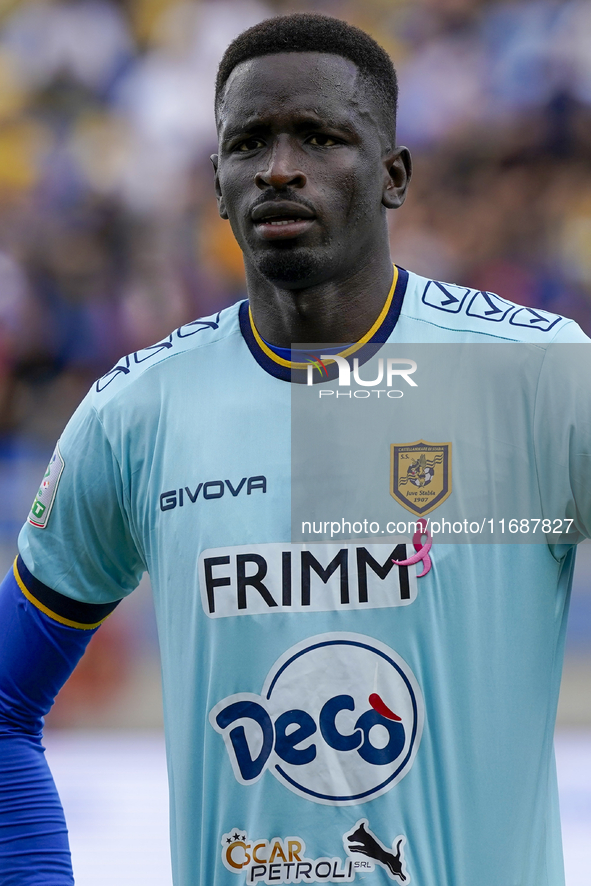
(290, 364)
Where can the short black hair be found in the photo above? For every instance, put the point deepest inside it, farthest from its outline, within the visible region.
(310, 32)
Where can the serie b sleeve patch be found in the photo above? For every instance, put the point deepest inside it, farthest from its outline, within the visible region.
(41, 509)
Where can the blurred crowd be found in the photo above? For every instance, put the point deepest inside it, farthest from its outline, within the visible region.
(109, 235)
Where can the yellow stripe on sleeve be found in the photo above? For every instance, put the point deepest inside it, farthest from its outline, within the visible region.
(48, 612)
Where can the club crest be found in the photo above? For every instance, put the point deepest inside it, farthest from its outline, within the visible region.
(420, 475)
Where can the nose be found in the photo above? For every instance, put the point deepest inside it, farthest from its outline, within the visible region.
(282, 170)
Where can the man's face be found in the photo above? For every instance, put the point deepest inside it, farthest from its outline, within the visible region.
(301, 173)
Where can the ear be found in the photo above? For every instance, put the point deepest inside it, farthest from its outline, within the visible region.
(218, 191)
(397, 175)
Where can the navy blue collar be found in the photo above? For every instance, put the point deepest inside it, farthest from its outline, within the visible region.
(293, 366)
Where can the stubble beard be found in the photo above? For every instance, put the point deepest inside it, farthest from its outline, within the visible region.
(288, 265)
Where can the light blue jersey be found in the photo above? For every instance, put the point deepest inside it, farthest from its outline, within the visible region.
(330, 716)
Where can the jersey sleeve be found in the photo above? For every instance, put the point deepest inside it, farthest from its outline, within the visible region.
(570, 333)
(78, 538)
(562, 430)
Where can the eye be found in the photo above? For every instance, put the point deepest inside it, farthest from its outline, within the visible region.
(322, 141)
(249, 144)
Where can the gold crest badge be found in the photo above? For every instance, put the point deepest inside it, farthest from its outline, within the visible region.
(420, 475)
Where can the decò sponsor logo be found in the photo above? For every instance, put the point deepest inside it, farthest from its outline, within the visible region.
(338, 721)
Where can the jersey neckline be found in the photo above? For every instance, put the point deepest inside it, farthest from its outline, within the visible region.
(297, 371)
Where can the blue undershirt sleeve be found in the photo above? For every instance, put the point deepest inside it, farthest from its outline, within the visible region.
(42, 637)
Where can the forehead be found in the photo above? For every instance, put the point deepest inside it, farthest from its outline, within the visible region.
(288, 83)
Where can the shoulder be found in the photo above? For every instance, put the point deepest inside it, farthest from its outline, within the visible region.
(170, 354)
(458, 312)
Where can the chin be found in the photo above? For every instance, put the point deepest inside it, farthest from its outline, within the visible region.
(289, 266)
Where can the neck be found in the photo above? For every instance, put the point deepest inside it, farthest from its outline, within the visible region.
(336, 310)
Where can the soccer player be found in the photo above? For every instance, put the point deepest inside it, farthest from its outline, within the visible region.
(331, 715)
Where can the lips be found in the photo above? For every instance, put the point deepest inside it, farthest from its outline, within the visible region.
(281, 219)
(278, 210)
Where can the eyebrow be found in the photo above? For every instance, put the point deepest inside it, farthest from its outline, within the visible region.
(309, 121)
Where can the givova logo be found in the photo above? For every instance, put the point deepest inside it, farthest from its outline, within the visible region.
(339, 721)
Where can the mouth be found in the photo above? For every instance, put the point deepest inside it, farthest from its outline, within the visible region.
(281, 220)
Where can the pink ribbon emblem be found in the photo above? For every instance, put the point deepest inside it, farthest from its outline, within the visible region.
(422, 550)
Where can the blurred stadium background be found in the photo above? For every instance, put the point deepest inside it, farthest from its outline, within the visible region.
(109, 238)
